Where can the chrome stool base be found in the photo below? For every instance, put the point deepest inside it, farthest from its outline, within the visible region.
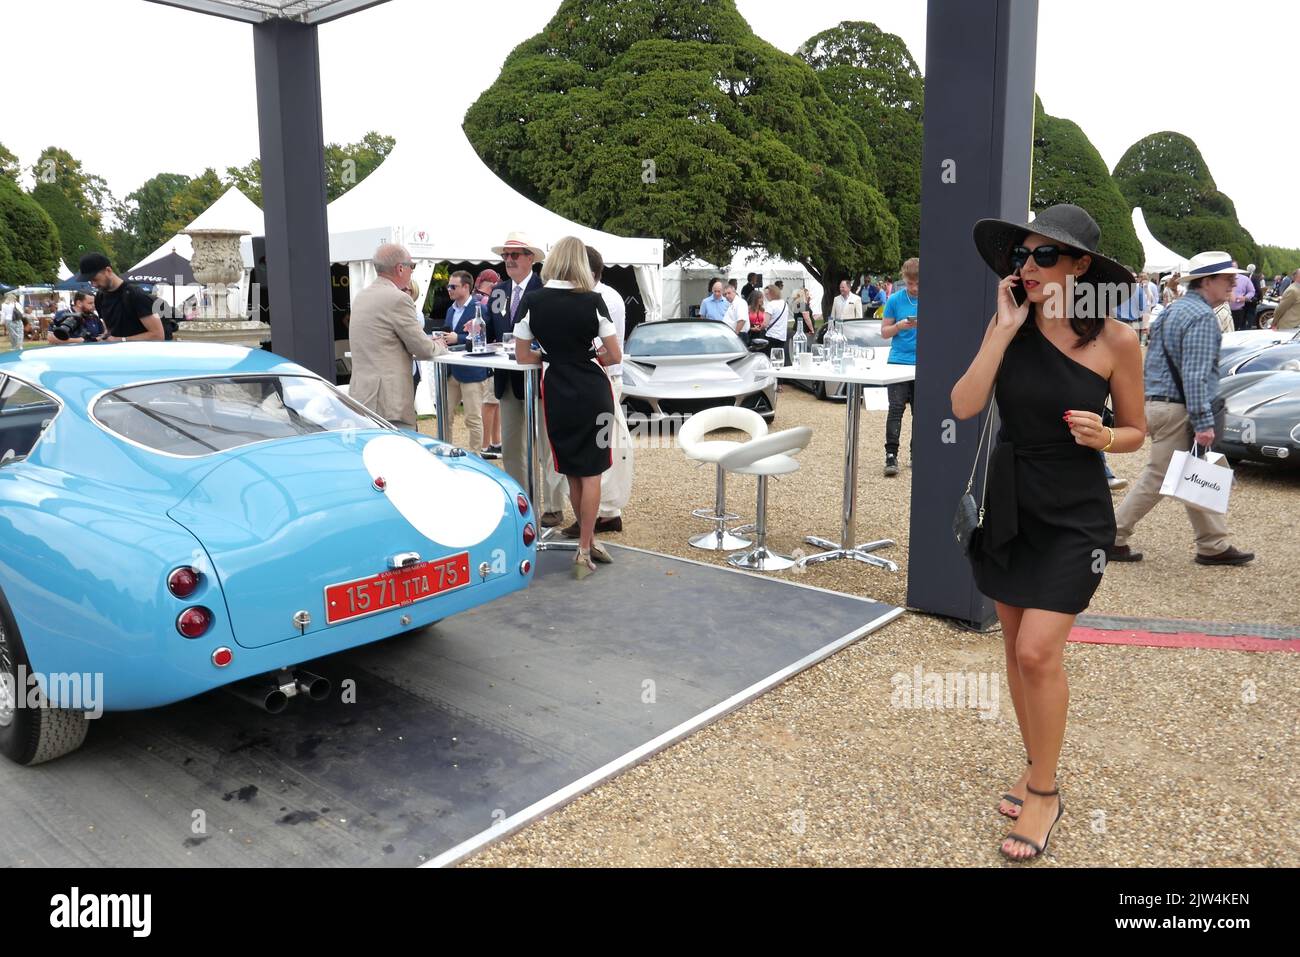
(761, 560)
(860, 553)
(720, 540)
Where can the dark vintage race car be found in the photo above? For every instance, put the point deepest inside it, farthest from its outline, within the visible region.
(1240, 350)
(1261, 419)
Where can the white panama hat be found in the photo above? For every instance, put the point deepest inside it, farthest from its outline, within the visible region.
(518, 240)
(1215, 263)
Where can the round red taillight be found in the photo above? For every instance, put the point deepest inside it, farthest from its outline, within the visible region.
(183, 582)
(193, 622)
(222, 657)
(525, 567)
(530, 534)
(522, 501)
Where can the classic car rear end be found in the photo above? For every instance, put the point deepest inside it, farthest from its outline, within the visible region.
(176, 533)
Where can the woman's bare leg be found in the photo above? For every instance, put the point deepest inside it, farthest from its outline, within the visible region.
(1009, 616)
(586, 505)
(1040, 654)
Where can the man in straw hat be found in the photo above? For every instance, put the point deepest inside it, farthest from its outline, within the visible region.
(1182, 377)
(519, 254)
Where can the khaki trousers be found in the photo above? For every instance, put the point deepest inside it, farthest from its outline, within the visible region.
(471, 395)
(1171, 431)
(616, 482)
(513, 450)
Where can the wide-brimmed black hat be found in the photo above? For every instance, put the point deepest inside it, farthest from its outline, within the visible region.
(1068, 224)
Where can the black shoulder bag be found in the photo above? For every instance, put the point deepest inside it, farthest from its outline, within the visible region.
(969, 517)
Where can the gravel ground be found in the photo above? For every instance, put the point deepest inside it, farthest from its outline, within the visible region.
(1190, 765)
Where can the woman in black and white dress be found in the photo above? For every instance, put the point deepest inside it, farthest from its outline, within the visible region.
(566, 318)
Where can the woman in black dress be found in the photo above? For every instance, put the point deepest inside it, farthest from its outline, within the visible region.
(1055, 358)
(566, 317)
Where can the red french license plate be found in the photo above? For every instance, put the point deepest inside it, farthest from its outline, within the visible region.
(393, 589)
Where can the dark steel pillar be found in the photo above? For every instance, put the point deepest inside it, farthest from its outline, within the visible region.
(979, 116)
(286, 55)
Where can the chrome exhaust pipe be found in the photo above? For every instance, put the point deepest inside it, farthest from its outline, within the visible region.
(261, 693)
(313, 686)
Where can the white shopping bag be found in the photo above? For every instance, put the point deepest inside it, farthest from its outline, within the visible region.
(1197, 480)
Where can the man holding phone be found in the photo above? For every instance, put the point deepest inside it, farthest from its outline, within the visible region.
(899, 325)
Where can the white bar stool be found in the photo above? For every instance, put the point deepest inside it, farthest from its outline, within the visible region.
(691, 438)
(771, 455)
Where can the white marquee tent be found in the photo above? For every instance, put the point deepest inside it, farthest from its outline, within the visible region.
(1158, 258)
(686, 280)
(444, 204)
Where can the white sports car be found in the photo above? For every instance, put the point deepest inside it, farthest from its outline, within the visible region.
(678, 368)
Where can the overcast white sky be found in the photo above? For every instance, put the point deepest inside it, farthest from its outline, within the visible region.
(1119, 68)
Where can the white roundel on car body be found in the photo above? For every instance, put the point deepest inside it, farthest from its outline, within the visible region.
(453, 506)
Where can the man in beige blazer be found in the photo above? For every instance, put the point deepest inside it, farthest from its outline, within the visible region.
(846, 305)
(1287, 315)
(386, 334)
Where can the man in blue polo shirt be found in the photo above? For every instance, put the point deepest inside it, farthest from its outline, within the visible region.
(465, 385)
(899, 325)
(715, 305)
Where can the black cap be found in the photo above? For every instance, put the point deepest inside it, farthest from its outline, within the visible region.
(92, 263)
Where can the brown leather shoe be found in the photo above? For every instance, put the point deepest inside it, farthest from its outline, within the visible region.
(604, 525)
(1229, 556)
(1122, 553)
(571, 531)
(551, 519)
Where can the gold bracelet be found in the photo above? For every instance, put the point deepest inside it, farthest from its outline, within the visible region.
(1112, 438)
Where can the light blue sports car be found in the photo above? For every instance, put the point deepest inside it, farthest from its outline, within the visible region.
(176, 517)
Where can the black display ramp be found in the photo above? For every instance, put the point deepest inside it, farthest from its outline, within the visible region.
(455, 735)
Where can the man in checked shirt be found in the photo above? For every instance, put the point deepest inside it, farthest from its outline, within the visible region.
(1182, 378)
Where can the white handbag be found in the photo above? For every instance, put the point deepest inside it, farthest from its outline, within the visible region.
(1199, 481)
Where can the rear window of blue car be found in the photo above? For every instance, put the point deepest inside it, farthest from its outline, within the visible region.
(192, 417)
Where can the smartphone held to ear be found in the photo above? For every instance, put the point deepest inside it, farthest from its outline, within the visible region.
(1018, 291)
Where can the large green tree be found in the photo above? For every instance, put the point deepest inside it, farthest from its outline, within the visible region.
(75, 201)
(9, 165)
(1069, 169)
(346, 164)
(671, 118)
(144, 217)
(872, 75)
(1166, 175)
(191, 200)
(29, 241)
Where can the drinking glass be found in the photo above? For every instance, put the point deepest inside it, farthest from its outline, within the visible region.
(508, 343)
(778, 357)
(819, 353)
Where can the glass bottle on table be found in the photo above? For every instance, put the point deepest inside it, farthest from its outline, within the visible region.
(836, 344)
(799, 344)
(478, 340)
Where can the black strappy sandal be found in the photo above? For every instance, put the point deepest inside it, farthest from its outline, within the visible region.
(1012, 799)
(1038, 851)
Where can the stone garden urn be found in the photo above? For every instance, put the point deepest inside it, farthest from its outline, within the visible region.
(222, 316)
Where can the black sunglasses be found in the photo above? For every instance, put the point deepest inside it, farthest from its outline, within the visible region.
(1046, 256)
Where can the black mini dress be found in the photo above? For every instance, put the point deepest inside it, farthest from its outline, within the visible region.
(1048, 515)
(577, 397)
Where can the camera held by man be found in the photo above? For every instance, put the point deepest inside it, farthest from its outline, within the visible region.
(79, 325)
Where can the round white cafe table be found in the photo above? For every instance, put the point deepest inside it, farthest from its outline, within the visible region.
(854, 377)
(499, 361)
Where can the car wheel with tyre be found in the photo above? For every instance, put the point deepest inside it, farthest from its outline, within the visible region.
(1265, 319)
(30, 735)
